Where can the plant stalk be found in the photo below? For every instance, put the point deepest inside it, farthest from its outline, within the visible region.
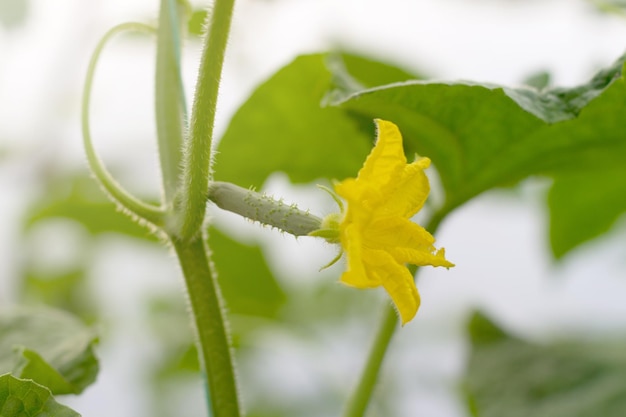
(357, 405)
(360, 398)
(169, 99)
(197, 149)
(209, 319)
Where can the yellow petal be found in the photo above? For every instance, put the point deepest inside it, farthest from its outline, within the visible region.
(391, 232)
(356, 274)
(420, 257)
(386, 161)
(409, 192)
(358, 195)
(400, 285)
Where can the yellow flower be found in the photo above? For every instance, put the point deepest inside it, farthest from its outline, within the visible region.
(376, 233)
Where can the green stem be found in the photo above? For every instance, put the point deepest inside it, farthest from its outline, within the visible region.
(213, 339)
(169, 99)
(363, 392)
(357, 405)
(197, 153)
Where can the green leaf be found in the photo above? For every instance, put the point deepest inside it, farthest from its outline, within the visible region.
(538, 80)
(66, 289)
(584, 205)
(247, 284)
(484, 332)
(195, 25)
(26, 398)
(79, 198)
(371, 73)
(617, 7)
(13, 13)
(284, 127)
(48, 346)
(509, 377)
(480, 136)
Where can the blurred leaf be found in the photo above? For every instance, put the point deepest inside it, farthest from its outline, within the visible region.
(13, 13)
(25, 398)
(48, 346)
(169, 320)
(247, 284)
(616, 7)
(177, 358)
(508, 377)
(483, 331)
(353, 73)
(584, 205)
(371, 73)
(283, 126)
(252, 296)
(66, 290)
(483, 136)
(78, 197)
(538, 80)
(195, 26)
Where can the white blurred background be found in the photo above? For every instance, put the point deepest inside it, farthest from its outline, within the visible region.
(498, 242)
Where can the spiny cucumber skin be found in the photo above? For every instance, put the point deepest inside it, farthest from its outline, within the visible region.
(263, 208)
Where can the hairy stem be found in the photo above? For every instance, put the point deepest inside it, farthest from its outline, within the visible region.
(197, 153)
(212, 332)
(357, 405)
(169, 99)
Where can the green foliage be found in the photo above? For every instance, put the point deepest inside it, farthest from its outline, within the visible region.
(479, 136)
(313, 120)
(617, 7)
(249, 287)
(483, 136)
(195, 25)
(26, 398)
(584, 205)
(48, 346)
(283, 126)
(66, 290)
(13, 13)
(509, 377)
(77, 197)
(538, 80)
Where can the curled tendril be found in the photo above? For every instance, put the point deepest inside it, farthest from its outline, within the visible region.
(123, 198)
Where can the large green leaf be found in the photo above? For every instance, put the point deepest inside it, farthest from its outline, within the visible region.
(48, 346)
(508, 377)
(284, 127)
(26, 398)
(584, 205)
(247, 284)
(481, 136)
